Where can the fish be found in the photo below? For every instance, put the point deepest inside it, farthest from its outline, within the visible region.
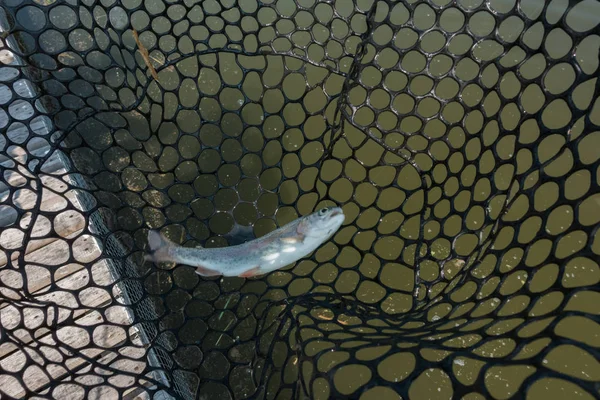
(260, 256)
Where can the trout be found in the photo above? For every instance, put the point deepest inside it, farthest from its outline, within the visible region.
(275, 250)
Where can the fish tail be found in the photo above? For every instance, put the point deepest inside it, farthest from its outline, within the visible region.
(160, 248)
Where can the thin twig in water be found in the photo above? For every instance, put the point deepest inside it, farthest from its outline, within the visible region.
(220, 337)
(144, 54)
(224, 308)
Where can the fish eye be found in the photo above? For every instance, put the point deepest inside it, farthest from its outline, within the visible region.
(323, 211)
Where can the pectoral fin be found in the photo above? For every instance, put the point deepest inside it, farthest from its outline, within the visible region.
(301, 229)
(251, 272)
(203, 271)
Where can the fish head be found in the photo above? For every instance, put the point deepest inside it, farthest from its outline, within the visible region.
(325, 222)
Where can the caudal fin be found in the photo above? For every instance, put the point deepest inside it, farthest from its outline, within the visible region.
(159, 247)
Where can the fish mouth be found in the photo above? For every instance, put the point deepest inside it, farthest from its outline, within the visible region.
(336, 212)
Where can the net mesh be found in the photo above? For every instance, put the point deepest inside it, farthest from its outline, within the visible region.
(460, 137)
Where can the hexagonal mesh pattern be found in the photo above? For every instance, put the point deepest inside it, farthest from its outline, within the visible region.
(460, 137)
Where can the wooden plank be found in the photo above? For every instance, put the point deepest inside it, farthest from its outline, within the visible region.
(20, 133)
(25, 199)
(69, 225)
(7, 57)
(16, 178)
(91, 298)
(73, 278)
(110, 336)
(47, 257)
(87, 316)
(11, 316)
(50, 202)
(107, 336)
(137, 394)
(54, 183)
(16, 154)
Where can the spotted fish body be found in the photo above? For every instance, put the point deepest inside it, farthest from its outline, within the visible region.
(275, 250)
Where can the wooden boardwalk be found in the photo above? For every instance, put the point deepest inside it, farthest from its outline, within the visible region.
(59, 306)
